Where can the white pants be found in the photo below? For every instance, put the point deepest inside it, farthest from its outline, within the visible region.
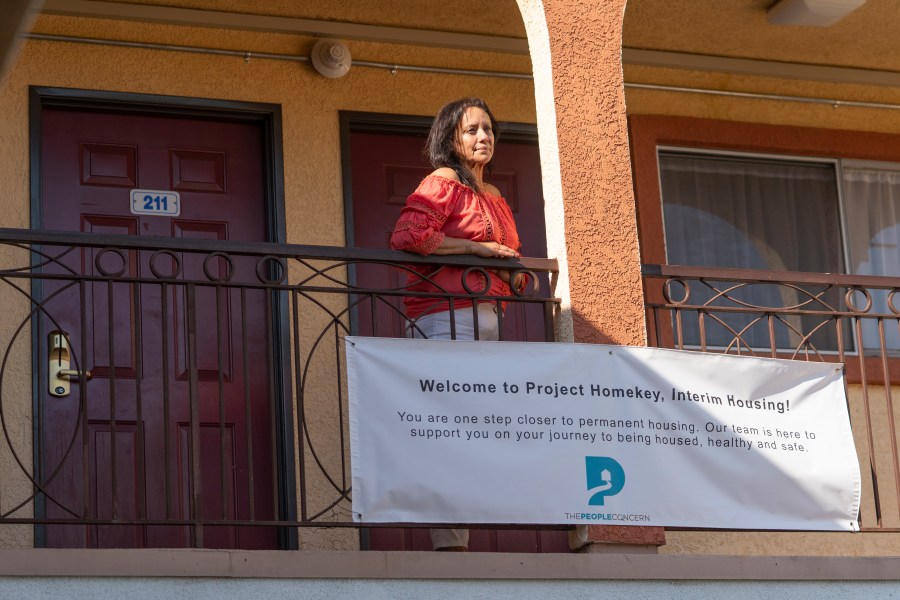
(436, 326)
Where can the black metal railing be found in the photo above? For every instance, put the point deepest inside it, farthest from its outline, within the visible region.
(803, 316)
(189, 392)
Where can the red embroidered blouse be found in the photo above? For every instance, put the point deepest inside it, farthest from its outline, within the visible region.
(442, 207)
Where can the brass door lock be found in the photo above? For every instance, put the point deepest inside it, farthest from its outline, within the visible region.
(59, 375)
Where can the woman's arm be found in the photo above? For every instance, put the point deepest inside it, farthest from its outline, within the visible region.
(451, 245)
(486, 249)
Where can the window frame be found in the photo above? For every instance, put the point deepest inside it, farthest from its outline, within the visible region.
(835, 163)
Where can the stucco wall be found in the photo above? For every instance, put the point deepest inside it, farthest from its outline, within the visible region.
(761, 110)
(740, 28)
(467, 16)
(713, 33)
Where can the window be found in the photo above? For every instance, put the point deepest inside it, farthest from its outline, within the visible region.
(783, 214)
(729, 211)
(872, 192)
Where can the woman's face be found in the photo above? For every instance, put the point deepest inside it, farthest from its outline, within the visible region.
(475, 137)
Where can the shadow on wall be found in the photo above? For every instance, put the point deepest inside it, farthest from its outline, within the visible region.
(582, 329)
(18, 14)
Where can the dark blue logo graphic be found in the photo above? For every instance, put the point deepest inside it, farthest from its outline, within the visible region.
(605, 477)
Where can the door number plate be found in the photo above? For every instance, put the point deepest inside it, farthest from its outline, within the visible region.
(155, 202)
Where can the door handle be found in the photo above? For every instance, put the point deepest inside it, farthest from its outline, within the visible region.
(59, 375)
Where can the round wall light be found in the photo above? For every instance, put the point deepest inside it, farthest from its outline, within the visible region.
(331, 58)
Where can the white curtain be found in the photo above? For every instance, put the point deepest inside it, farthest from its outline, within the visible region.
(872, 197)
(750, 214)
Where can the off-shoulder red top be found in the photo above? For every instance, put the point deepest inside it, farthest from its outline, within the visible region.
(442, 207)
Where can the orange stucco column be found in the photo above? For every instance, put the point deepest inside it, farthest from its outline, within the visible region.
(600, 219)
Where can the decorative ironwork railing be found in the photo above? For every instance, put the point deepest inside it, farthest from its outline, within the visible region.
(190, 392)
(801, 316)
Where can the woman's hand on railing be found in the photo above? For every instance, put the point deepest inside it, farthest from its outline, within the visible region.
(450, 245)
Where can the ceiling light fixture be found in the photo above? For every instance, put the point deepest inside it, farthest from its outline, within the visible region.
(816, 13)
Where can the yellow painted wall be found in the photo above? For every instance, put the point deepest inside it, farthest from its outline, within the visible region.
(739, 29)
(754, 110)
(501, 18)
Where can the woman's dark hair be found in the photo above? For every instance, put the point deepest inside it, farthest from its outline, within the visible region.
(440, 148)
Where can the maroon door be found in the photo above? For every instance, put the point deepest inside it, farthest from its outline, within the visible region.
(139, 450)
(385, 169)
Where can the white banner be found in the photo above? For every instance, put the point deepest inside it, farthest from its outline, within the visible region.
(552, 433)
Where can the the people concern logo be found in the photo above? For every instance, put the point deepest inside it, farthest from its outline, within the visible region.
(605, 477)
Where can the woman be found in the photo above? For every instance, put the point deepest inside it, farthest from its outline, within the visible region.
(454, 211)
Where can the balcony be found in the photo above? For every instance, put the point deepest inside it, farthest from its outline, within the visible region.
(160, 392)
(203, 403)
(799, 316)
